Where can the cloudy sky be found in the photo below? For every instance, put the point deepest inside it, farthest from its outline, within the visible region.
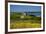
(24, 8)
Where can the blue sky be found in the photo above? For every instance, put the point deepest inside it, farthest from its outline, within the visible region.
(24, 8)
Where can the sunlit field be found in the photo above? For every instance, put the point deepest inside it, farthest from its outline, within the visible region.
(17, 20)
(24, 24)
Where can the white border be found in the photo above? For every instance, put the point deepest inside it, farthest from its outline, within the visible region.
(26, 29)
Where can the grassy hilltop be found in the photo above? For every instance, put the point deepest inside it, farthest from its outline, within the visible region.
(28, 21)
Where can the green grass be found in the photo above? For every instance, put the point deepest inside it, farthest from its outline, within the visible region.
(16, 22)
(24, 24)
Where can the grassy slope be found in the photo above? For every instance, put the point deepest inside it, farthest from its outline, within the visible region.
(24, 24)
